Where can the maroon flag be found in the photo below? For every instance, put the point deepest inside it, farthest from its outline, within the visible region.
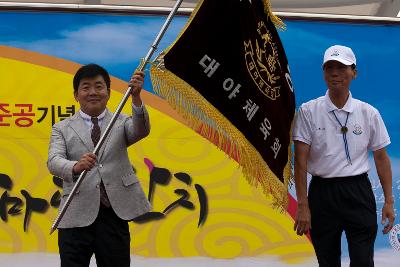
(228, 75)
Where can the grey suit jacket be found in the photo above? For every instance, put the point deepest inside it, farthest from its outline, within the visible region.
(70, 139)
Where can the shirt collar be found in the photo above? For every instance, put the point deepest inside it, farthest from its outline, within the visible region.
(348, 107)
(89, 118)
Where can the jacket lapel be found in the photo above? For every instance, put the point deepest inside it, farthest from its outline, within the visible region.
(82, 130)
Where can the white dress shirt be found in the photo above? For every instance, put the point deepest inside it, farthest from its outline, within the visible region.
(316, 125)
(88, 119)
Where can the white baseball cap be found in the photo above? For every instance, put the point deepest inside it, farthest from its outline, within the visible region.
(340, 53)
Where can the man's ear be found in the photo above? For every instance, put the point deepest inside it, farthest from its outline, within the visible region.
(354, 74)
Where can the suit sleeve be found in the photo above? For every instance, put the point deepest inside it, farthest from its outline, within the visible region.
(57, 162)
(137, 126)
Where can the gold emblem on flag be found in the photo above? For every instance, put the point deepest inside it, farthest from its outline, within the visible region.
(263, 63)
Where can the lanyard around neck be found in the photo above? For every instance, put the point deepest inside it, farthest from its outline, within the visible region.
(344, 130)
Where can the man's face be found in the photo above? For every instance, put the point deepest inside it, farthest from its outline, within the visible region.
(338, 76)
(92, 95)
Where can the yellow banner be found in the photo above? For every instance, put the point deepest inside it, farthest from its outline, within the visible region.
(238, 221)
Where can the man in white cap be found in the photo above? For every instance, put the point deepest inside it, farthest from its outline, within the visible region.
(332, 136)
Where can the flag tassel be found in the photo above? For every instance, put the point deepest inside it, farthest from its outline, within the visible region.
(275, 19)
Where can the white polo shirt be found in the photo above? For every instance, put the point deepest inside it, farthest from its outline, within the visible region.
(316, 125)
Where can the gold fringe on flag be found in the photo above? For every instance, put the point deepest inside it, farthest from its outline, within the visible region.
(211, 124)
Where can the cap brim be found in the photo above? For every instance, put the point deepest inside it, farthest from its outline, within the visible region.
(341, 60)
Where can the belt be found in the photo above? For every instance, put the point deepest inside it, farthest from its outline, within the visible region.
(340, 179)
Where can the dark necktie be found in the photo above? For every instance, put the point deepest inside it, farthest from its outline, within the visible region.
(95, 138)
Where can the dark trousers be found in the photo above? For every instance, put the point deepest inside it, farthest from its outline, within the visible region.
(108, 238)
(343, 204)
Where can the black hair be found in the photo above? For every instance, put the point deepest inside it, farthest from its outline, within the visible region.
(90, 71)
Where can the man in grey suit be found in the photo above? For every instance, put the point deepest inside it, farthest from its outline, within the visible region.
(110, 195)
